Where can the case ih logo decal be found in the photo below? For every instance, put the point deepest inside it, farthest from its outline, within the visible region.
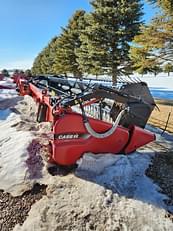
(67, 136)
(70, 136)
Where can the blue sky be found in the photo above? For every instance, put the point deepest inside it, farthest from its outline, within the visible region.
(26, 26)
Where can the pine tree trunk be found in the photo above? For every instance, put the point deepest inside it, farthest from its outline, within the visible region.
(114, 74)
(80, 75)
(114, 66)
(114, 78)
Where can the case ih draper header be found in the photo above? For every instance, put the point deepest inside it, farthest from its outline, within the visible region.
(119, 115)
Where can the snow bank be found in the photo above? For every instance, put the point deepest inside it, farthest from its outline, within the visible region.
(20, 162)
(7, 82)
(4, 114)
(75, 204)
(164, 140)
(124, 175)
(13, 153)
(5, 94)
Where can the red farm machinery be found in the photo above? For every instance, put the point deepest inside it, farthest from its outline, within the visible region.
(90, 116)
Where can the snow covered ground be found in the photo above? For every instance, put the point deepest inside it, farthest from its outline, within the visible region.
(16, 142)
(161, 86)
(5, 93)
(13, 149)
(106, 192)
(160, 81)
(124, 175)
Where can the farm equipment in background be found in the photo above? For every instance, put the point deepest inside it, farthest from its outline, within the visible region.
(69, 103)
(3, 85)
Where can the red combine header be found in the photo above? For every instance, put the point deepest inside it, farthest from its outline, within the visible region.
(69, 104)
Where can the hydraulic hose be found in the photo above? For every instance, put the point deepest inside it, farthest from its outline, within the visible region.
(107, 133)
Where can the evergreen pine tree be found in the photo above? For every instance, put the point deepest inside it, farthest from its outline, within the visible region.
(166, 5)
(106, 39)
(67, 43)
(154, 45)
(43, 63)
(36, 68)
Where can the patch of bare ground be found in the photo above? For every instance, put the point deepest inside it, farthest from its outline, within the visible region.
(161, 172)
(14, 210)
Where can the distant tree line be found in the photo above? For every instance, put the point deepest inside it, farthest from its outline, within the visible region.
(94, 43)
(27, 72)
(110, 40)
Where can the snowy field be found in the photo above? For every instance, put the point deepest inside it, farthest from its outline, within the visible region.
(113, 188)
(161, 86)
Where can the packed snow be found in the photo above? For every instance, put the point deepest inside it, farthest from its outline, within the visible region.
(18, 148)
(124, 175)
(13, 149)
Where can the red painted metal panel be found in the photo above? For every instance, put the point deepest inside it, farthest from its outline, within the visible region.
(138, 138)
(67, 151)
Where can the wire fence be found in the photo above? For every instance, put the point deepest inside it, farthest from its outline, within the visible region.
(165, 124)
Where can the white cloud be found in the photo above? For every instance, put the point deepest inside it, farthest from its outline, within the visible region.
(18, 64)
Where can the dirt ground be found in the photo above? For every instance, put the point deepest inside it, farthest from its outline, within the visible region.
(161, 113)
(161, 171)
(14, 210)
(161, 168)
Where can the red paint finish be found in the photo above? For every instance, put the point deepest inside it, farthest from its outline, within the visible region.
(17, 76)
(68, 151)
(23, 87)
(139, 137)
(41, 96)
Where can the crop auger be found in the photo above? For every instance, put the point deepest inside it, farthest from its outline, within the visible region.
(90, 116)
